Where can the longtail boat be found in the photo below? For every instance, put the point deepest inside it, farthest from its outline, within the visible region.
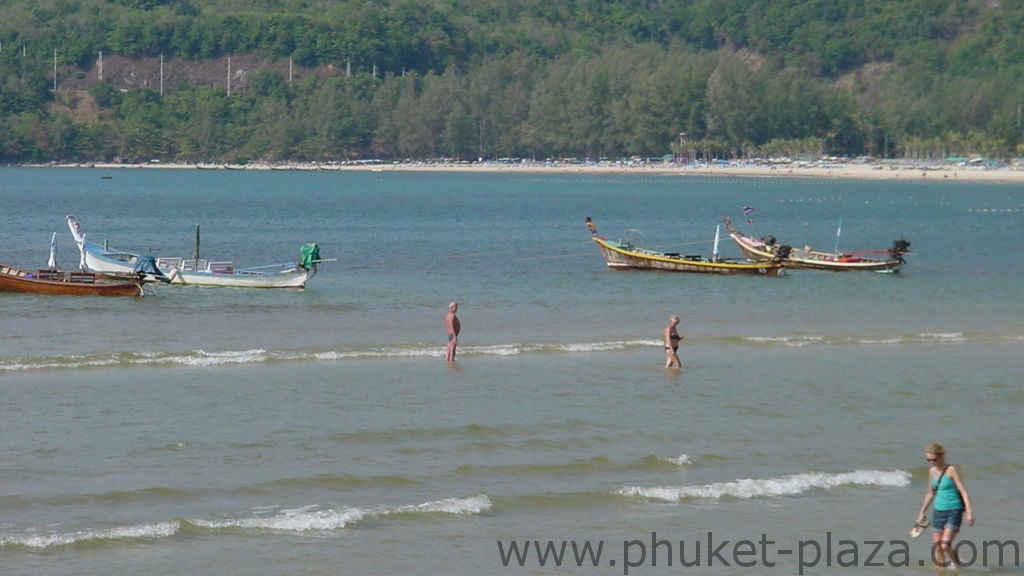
(200, 272)
(75, 282)
(768, 250)
(624, 255)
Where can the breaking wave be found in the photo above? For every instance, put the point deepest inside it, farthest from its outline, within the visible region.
(204, 358)
(874, 340)
(770, 487)
(302, 520)
(681, 460)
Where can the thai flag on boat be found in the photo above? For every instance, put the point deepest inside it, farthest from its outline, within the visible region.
(747, 211)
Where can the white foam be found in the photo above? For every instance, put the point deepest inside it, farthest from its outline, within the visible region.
(306, 519)
(880, 341)
(391, 352)
(605, 346)
(498, 350)
(204, 358)
(471, 505)
(315, 518)
(300, 520)
(795, 341)
(681, 460)
(769, 487)
(71, 362)
(942, 336)
(140, 531)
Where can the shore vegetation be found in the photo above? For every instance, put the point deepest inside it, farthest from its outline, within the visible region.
(235, 81)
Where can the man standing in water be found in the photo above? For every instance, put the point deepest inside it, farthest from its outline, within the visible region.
(451, 321)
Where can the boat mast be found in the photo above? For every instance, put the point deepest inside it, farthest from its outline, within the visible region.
(195, 255)
(714, 250)
(839, 230)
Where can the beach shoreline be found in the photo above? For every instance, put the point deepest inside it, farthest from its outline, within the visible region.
(849, 171)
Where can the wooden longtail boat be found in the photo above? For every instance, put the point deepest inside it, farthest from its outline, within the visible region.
(77, 282)
(767, 250)
(623, 255)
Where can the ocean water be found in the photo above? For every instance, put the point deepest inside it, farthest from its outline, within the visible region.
(319, 431)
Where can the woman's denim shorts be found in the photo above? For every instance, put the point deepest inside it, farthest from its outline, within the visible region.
(943, 519)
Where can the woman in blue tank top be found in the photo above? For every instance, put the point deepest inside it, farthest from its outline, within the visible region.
(947, 491)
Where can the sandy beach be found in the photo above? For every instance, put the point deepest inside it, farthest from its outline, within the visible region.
(857, 171)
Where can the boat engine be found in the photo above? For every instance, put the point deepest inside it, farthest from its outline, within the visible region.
(784, 250)
(900, 246)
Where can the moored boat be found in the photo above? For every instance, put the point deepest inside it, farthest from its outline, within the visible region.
(768, 250)
(624, 255)
(75, 282)
(102, 259)
(200, 272)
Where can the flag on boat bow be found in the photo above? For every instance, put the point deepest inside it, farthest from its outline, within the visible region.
(747, 211)
(81, 250)
(52, 262)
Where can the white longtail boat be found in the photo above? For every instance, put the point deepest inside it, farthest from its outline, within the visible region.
(199, 272)
(767, 250)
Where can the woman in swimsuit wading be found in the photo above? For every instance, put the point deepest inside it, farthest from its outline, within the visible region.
(672, 339)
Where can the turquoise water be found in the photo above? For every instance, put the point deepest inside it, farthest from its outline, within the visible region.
(242, 432)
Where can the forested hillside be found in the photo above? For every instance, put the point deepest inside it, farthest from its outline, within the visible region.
(308, 80)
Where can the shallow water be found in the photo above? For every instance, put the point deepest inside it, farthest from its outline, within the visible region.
(248, 432)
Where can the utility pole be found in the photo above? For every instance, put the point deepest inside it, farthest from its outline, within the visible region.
(54, 69)
(161, 74)
(229, 75)
(100, 66)
(1018, 120)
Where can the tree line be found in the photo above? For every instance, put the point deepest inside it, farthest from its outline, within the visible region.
(490, 79)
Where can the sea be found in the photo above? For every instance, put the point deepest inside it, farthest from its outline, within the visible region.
(316, 432)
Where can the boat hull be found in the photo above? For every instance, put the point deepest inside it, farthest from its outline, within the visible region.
(294, 278)
(67, 283)
(624, 256)
(100, 259)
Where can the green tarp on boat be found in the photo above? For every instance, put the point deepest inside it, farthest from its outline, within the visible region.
(309, 254)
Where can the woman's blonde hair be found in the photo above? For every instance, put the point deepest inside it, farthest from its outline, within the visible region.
(673, 318)
(936, 449)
